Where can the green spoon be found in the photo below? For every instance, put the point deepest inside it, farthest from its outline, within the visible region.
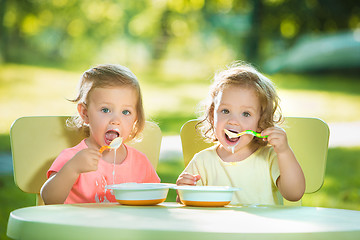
(251, 132)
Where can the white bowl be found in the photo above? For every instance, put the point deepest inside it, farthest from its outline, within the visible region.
(140, 194)
(206, 196)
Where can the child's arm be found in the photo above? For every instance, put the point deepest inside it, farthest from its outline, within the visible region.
(291, 182)
(56, 189)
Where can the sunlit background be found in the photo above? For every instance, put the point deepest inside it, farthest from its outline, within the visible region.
(309, 48)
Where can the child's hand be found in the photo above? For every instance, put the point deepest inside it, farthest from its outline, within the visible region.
(85, 160)
(187, 179)
(277, 138)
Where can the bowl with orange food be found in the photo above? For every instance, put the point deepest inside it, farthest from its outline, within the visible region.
(140, 194)
(206, 196)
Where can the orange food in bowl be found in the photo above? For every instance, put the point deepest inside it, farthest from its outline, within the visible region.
(141, 202)
(140, 194)
(205, 204)
(205, 196)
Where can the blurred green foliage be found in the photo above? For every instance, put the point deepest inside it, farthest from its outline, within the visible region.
(11, 198)
(4, 143)
(333, 83)
(341, 187)
(76, 33)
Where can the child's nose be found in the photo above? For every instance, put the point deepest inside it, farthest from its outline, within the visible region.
(233, 120)
(115, 120)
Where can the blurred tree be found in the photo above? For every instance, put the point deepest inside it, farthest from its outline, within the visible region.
(2, 31)
(267, 24)
(285, 21)
(78, 32)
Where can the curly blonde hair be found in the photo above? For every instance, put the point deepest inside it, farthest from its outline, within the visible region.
(104, 76)
(244, 75)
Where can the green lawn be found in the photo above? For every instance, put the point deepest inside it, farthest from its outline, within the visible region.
(172, 100)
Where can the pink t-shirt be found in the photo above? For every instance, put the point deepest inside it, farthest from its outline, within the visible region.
(90, 186)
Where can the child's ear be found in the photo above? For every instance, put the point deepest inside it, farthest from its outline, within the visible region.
(83, 112)
(259, 128)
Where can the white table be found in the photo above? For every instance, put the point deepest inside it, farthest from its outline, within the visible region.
(173, 221)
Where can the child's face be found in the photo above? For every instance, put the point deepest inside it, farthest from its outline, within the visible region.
(236, 109)
(110, 113)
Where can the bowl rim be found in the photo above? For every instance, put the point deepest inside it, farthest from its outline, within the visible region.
(207, 188)
(132, 186)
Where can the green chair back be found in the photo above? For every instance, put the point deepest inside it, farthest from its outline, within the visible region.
(37, 141)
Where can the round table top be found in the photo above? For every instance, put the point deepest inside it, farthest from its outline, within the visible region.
(175, 221)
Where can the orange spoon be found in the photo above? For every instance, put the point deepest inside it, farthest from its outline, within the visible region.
(115, 144)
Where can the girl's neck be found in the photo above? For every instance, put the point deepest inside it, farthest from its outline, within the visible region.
(227, 156)
(121, 153)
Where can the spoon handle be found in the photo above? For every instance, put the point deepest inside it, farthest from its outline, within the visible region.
(103, 148)
(256, 134)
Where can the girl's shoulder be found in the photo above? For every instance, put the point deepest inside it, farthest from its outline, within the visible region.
(209, 154)
(69, 151)
(265, 152)
(133, 152)
(136, 156)
(208, 151)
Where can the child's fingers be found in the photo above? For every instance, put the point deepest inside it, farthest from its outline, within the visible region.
(267, 132)
(92, 158)
(274, 133)
(277, 138)
(187, 179)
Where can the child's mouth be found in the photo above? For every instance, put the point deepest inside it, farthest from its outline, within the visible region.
(232, 141)
(111, 135)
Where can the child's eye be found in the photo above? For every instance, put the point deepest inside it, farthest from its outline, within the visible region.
(225, 111)
(246, 114)
(126, 112)
(105, 110)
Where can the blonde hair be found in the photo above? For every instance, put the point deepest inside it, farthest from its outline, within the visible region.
(104, 76)
(244, 75)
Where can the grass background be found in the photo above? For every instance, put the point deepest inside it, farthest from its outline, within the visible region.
(172, 99)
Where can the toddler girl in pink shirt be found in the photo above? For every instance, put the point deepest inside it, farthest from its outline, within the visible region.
(109, 103)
